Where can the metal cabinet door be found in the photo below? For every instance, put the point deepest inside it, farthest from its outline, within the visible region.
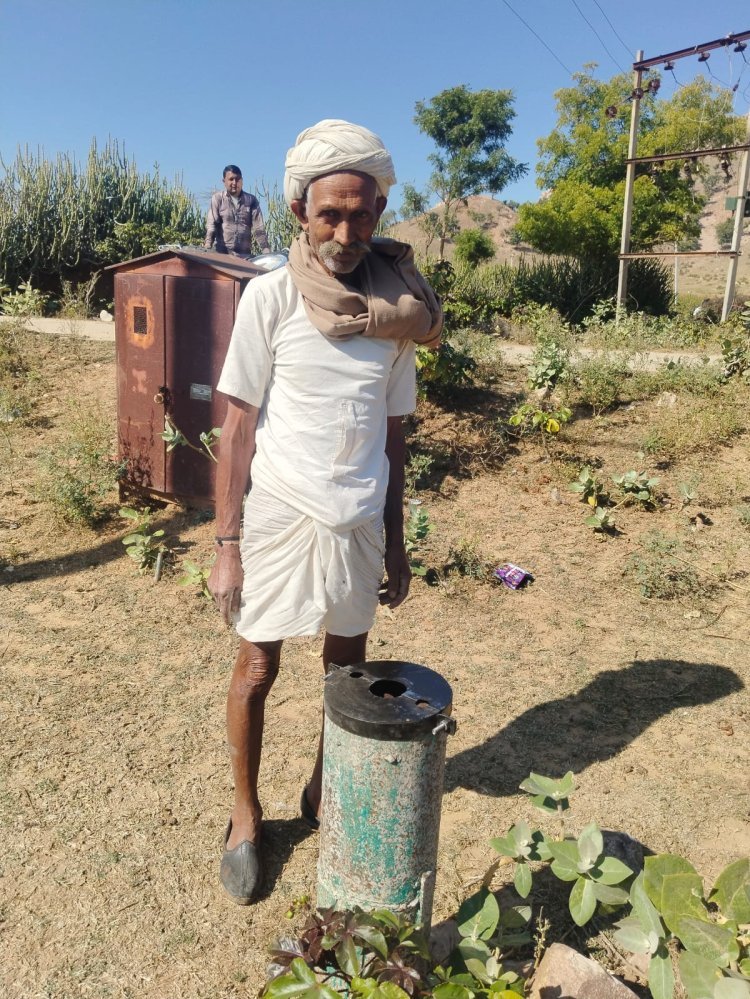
(139, 332)
(199, 317)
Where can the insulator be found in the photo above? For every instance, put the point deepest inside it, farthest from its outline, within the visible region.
(637, 94)
(669, 66)
(740, 47)
(704, 57)
(653, 85)
(611, 111)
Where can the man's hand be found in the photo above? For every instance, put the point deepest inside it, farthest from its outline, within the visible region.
(225, 581)
(397, 576)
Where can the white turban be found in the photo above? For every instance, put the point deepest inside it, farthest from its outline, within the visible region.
(334, 145)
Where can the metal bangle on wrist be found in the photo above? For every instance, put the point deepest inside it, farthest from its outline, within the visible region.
(228, 540)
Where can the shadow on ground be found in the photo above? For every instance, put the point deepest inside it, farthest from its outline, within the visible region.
(280, 838)
(597, 723)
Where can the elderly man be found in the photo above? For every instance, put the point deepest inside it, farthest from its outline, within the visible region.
(319, 373)
(234, 218)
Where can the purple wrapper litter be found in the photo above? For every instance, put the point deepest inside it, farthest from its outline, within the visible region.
(511, 575)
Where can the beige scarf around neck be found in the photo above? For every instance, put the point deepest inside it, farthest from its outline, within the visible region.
(396, 304)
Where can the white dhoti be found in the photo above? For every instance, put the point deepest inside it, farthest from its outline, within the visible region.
(301, 576)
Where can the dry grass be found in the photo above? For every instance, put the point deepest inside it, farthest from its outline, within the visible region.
(695, 424)
(114, 780)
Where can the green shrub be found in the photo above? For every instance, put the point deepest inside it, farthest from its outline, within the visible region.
(724, 233)
(441, 372)
(465, 559)
(77, 479)
(600, 381)
(472, 247)
(550, 365)
(77, 300)
(417, 469)
(637, 331)
(649, 287)
(23, 303)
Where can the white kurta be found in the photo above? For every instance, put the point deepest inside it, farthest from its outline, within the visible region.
(312, 547)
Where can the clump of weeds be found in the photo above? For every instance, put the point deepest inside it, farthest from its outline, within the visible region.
(600, 381)
(78, 477)
(662, 570)
(20, 379)
(416, 530)
(695, 424)
(417, 471)
(465, 559)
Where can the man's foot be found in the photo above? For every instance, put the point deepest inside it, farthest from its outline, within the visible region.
(308, 813)
(241, 871)
(244, 825)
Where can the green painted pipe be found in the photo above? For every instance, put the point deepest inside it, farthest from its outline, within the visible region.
(386, 726)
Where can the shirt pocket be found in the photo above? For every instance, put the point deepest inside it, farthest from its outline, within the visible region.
(351, 439)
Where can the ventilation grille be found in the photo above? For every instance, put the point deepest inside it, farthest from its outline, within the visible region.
(140, 320)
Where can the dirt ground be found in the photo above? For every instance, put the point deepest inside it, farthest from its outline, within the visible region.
(115, 784)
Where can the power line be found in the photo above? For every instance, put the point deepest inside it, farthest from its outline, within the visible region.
(626, 47)
(553, 54)
(601, 40)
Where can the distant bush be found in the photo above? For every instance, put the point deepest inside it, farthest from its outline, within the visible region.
(472, 247)
(724, 233)
(64, 220)
(649, 287)
(475, 296)
(571, 286)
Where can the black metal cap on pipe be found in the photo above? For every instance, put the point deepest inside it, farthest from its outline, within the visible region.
(387, 699)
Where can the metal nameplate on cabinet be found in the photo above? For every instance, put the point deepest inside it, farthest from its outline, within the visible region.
(201, 392)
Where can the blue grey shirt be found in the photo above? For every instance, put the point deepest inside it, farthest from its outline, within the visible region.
(232, 222)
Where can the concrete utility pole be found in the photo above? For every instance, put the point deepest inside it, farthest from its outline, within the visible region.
(627, 210)
(743, 179)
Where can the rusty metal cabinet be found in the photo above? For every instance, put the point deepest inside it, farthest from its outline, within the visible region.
(174, 313)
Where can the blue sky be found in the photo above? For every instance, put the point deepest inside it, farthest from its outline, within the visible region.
(194, 84)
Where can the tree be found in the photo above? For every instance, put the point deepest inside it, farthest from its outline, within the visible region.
(470, 131)
(582, 165)
(473, 247)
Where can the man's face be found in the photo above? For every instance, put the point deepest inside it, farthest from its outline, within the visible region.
(339, 216)
(233, 183)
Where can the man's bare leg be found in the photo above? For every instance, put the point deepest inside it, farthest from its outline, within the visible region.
(343, 652)
(255, 670)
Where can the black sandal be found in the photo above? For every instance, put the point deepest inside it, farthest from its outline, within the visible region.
(309, 817)
(241, 870)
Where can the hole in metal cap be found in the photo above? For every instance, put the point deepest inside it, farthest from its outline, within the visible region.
(356, 675)
(387, 688)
